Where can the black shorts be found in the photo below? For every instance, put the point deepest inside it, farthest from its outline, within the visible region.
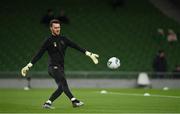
(57, 72)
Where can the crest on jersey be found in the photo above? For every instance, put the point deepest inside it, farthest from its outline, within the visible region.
(55, 45)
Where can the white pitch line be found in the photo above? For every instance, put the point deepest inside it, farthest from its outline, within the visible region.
(151, 95)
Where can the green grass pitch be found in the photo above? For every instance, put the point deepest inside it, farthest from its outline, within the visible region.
(115, 101)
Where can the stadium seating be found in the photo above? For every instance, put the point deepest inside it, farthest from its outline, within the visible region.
(128, 33)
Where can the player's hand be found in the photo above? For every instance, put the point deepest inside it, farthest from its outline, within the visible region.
(93, 56)
(25, 69)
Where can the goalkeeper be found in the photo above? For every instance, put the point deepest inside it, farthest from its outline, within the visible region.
(56, 46)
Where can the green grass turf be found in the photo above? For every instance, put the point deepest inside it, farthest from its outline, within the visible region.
(18, 100)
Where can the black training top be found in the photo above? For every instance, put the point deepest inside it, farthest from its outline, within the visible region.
(56, 47)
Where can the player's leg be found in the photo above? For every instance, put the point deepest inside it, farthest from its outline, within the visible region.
(54, 96)
(75, 102)
(60, 77)
(56, 93)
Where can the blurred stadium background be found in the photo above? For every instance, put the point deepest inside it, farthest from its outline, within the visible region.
(129, 33)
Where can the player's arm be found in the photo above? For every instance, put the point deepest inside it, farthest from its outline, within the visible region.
(89, 54)
(38, 55)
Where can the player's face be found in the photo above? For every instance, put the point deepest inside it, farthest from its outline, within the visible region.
(55, 29)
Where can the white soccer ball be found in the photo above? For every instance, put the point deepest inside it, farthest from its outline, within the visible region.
(113, 63)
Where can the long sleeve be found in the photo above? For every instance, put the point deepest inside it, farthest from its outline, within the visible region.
(40, 52)
(75, 46)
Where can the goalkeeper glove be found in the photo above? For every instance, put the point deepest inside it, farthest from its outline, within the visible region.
(92, 56)
(25, 69)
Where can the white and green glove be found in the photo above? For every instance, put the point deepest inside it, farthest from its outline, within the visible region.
(25, 69)
(92, 56)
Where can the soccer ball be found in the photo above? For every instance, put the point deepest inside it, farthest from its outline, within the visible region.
(113, 63)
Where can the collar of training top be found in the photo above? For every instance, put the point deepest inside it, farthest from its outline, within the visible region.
(59, 36)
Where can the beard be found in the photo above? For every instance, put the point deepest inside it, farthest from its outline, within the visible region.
(56, 33)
